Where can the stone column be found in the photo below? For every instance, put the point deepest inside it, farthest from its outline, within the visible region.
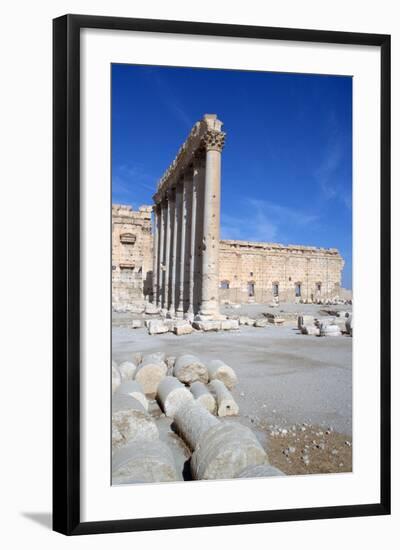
(156, 209)
(198, 177)
(188, 242)
(161, 266)
(213, 141)
(182, 222)
(174, 248)
(198, 258)
(170, 214)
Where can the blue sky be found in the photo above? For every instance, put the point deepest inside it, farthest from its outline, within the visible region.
(287, 162)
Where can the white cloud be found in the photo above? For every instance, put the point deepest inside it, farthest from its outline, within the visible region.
(263, 221)
(327, 176)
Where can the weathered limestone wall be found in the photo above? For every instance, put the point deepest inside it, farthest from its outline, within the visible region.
(241, 265)
(265, 269)
(132, 250)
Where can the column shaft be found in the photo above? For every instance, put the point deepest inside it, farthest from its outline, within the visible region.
(182, 221)
(174, 248)
(170, 205)
(155, 252)
(195, 226)
(188, 245)
(198, 259)
(211, 222)
(160, 220)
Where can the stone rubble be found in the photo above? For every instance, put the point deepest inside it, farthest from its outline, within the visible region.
(147, 448)
(203, 396)
(189, 369)
(127, 370)
(150, 372)
(218, 370)
(134, 389)
(226, 405)
(172, 394)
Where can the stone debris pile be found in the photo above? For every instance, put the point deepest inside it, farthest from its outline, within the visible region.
(181, 327)
(342, 324)
(168, 420)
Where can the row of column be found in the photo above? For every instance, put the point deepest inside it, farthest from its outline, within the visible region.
(187, 235)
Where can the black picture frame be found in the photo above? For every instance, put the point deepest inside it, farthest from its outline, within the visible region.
(66, 273)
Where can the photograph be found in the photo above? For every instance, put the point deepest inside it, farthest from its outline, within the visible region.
(231, 270)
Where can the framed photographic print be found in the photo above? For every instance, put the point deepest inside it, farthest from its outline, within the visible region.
(221, 222)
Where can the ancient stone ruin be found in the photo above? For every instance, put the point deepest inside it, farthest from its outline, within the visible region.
(182, 265)
(131, 254)
(180, 420)
(187, 220)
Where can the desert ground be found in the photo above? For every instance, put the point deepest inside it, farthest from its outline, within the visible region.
(294, 391)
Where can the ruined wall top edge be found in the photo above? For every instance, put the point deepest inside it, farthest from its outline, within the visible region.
(254, 245)
(195, 141)
(126, 211)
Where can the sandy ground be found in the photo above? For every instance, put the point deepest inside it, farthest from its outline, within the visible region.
(287, 381)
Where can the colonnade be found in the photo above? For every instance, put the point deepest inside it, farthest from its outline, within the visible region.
(187, 225)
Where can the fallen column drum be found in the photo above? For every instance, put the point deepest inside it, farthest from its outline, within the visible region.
(144, 462)
(172, 394)
(130, 421)
(221, 450)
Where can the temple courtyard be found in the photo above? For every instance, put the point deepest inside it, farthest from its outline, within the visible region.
(294, 390)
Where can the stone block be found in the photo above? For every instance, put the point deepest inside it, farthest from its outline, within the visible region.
(311, 330)
(207, 326)
(144, 462)
(329, 330)
(224, 451)
(218, 370)
(277, 321)
(303, 320)
(189, 369)
(137, 323)
(247, 321)
(127, 370)
(172, 394)
(151, 309)
(226, 405)
(157, 327)
(134, 389)
(261, 323)
(183, 328)
(229, 324)
(130, 421)
(150, 373)
(203, 396)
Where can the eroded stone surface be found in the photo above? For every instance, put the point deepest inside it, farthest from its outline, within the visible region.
(189, 369)
(203, 396)
(218, 370)
(226, 450)
(150, 373)
(130, 422)
(172, 394)
(226, 405)
(144, 462)
(134, 389)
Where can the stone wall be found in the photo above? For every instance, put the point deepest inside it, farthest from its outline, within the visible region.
(245, 268)
(260, 271)
(131, 254)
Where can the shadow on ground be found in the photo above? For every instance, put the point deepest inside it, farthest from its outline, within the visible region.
(45, 519)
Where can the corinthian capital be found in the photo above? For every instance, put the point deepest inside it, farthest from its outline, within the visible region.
(214, 140)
